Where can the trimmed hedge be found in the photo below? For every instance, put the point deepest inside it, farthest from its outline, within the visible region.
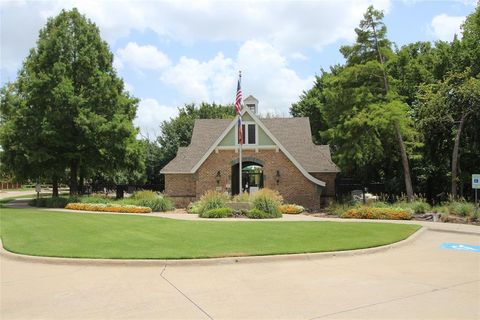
(107, 207)
(378, 213)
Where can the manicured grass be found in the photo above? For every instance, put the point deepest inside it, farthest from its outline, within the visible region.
(60, 234)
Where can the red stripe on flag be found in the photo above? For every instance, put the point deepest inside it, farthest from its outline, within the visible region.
(240, 131)
(238, 98)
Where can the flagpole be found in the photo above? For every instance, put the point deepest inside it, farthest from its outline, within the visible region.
(240, 165)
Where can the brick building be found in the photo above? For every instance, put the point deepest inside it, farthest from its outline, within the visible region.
(278, 153)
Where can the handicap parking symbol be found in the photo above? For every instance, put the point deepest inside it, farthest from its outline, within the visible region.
(460, 246)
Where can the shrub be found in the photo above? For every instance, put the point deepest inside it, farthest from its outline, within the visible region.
(475, 215)
(291, 209)
(260, 214)
(95, 198)
(378, 213)
(242, 197)
(461, 208)
(265, 192)
(217, 213)
(338, 209)
(380, 204)
(212, 200)
(107, 207)
(419, 206)
(159, 204)
(267, 200)
(58, 202)
(145, 195)
(194, 208)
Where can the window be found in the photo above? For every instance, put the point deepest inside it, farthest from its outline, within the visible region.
(251, 106)
(249, 133)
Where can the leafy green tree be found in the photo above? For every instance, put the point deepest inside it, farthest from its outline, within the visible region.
(70, 102)
(369, 108)
(311, 105)
(445, 106)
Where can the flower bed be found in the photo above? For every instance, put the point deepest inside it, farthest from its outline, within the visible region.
(377, 213)
(107, 207)
(291, 209)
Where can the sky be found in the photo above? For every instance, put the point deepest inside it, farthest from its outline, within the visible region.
(170, 53)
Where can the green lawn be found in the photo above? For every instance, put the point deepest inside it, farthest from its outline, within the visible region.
(60, 234)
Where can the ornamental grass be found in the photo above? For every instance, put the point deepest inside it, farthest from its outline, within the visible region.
(377, 213)
(101, 207)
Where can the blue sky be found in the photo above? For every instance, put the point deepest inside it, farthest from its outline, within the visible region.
(174, 52)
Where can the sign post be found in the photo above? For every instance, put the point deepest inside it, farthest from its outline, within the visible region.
(38, 189)
(476, 186)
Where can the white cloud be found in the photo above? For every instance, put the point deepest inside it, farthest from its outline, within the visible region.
(266, 75)
(141, 57)
(444, 27)
(150, 115)
(298, 56)
(288, 25)
(202, 81)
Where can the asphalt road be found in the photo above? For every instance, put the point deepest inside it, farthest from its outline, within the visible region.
(419, 280)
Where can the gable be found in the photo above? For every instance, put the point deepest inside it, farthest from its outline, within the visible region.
(230, 138)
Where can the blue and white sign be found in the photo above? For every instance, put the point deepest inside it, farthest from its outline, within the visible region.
(460, 246)
(475, 181)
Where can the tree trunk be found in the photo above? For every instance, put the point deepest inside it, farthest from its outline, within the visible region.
(406, 167)
(455, 156)
(73, 178)
(81, 181)
(54, 187)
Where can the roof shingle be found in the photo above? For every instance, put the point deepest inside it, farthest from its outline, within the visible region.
(292, 133)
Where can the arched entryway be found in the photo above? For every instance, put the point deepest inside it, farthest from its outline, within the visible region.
(252, 176)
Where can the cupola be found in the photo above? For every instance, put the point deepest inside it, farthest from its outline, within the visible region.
(252, 103)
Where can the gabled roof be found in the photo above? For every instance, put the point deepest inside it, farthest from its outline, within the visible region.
(295, 135)
(205, 133)
(292, 136)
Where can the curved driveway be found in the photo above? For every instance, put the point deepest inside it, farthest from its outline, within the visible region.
(416, 281)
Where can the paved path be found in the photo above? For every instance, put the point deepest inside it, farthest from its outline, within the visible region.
(12, 194)
(416, 281)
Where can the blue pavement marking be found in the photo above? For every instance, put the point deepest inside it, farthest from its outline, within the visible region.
(460, 246)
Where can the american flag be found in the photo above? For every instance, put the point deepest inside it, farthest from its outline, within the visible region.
(238, 107)
(240, 131)
(238, 98)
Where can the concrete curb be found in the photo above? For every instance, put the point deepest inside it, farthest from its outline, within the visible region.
(204, 262)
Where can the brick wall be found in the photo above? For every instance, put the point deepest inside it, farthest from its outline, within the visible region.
(328, 193)
(293, 186)
(329, 179)
(179, 185)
